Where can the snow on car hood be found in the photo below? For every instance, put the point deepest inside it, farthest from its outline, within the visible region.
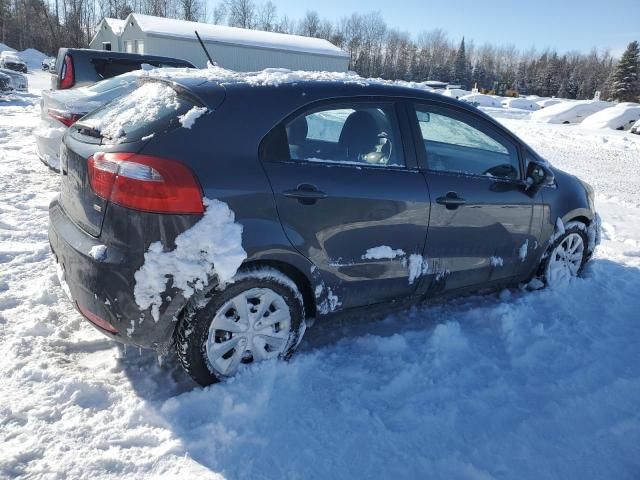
(212, 247)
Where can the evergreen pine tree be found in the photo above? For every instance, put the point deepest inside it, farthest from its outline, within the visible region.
(460, 70)
(625, 82)
(521, 78)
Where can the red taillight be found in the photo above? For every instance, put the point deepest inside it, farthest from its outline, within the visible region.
(96, 320)
(67, 77)
(144, 182)
(65, 117)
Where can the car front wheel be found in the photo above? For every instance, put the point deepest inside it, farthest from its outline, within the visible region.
(258, 317)
(565, 258)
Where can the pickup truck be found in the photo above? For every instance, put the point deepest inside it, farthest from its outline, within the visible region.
(77, 67)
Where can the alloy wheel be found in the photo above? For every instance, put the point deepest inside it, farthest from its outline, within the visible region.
(565, 260)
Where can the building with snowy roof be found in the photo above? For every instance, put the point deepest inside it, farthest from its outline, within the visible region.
(237, 49)
(107, 36)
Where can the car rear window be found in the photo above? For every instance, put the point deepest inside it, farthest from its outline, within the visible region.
(111, 83)
(152, 107)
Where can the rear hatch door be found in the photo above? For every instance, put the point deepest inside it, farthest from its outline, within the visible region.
(126, 124)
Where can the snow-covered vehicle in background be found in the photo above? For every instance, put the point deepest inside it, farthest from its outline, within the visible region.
(80, 67)
(520, 103)
(5, 84)
(548, 102)
(12, 61)
(621, 117)
(635, 128)
(570, 111)
(456, 93)
(18, 80)
(481, 100)
(59, 109)
(48, 63)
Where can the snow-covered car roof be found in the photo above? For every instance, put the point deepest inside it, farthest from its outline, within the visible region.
(482, 100)
(12, 56)
(621, 116)
(521, 103)
(569, 111)
(274, 76)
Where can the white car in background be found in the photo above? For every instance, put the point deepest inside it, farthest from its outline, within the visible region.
(454, 92)
(12, 61)
(621, 117)
(635, 128)
(48, 63)
(17, 80)
(569, 112)
(521, 104)
(548, 102)
(481, 100)
(59, 109)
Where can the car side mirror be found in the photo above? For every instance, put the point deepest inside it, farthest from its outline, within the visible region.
(539, 174)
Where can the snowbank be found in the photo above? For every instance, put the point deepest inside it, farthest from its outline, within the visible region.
(569, 112)
(620, 117)
(33, 58)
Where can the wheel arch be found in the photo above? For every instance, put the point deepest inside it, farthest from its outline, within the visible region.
(295, 274)
(582, 215)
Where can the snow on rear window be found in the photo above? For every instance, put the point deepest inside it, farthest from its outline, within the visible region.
(147, 104)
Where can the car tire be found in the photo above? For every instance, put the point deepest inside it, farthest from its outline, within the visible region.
(565, 258)
(222, 330)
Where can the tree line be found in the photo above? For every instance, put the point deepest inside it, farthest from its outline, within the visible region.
(375, 49)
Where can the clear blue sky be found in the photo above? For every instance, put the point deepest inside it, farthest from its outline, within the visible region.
(561, 24)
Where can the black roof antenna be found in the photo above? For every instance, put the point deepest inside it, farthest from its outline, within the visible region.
(205, 49)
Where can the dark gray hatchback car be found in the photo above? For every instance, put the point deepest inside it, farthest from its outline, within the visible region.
(221, 217)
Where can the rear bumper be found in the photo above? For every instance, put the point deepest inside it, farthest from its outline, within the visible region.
(48, 142)
(104, 286)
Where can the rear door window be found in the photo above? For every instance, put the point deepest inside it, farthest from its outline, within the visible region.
(359, 133)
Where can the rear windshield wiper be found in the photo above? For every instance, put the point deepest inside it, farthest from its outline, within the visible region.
(87, 130)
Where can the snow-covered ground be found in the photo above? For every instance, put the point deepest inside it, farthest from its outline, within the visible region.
(539, 385)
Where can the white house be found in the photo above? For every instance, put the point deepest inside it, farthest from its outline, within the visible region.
(107, 35)
(233, 48)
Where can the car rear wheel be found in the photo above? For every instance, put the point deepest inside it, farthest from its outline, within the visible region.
(258, 317)
(566, 257)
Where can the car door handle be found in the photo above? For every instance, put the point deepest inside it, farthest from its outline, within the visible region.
(305, 192)
(451, 200)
